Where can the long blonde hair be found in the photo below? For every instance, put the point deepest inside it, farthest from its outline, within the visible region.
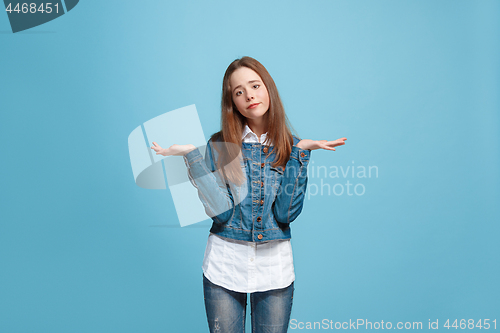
(233, 122)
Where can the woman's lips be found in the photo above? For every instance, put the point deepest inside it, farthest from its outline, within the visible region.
(253, 105)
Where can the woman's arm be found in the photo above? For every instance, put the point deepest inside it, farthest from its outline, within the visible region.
(290, 198)
(212, 191)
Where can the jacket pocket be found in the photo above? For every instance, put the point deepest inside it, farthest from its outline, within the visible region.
(276, 178)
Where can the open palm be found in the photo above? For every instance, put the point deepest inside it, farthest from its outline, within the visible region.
(173, 150)
(320, 144)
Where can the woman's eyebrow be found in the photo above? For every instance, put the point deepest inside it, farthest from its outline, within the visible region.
(248, 82)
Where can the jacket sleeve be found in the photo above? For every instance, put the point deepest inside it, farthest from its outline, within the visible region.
(290, 198)
(212, 190)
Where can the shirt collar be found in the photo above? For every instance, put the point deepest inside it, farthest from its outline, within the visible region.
(249, 136)
(246, 131)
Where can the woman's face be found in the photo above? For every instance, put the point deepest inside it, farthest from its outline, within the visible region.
(249, 93)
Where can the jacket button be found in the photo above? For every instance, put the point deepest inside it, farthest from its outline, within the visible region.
(261, 184)
(265, 149)
(262, 202)
(302, 154)
(259, 219)
(259, 236)
(262, 165)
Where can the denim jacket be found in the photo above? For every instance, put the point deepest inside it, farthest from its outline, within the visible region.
(262, 208)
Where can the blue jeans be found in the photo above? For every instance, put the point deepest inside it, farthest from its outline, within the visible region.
(226, 309)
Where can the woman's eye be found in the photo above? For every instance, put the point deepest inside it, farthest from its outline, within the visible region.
(238, 93)
(256, 86)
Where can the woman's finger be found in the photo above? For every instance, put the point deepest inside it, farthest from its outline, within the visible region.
(326, 146)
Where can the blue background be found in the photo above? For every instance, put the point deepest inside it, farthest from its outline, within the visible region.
(413, 85)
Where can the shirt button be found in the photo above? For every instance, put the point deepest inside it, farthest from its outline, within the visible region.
(302, 154)
(251, 259)
(265, 149)
(259, 236)
(259, 219)
(262, 165)
(261, 184)
(262, 202)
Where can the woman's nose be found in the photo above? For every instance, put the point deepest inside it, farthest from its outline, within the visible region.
(249, 96)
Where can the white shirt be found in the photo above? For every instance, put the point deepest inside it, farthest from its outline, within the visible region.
(248, 267)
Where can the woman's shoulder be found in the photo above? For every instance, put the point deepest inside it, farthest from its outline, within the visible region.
(216, 137)
(216, 142)
(296, 139)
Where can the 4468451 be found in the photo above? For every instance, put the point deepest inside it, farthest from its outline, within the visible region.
(471, 324)
(32, 8)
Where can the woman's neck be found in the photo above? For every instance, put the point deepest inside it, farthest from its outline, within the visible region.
(258, 127)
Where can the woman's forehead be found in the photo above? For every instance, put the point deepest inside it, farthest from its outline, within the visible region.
(243, 75)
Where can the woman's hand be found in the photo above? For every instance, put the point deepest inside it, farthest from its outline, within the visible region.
(176, 150)
(320, 144)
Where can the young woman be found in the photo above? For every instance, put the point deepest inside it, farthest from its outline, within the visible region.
(252, 183)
